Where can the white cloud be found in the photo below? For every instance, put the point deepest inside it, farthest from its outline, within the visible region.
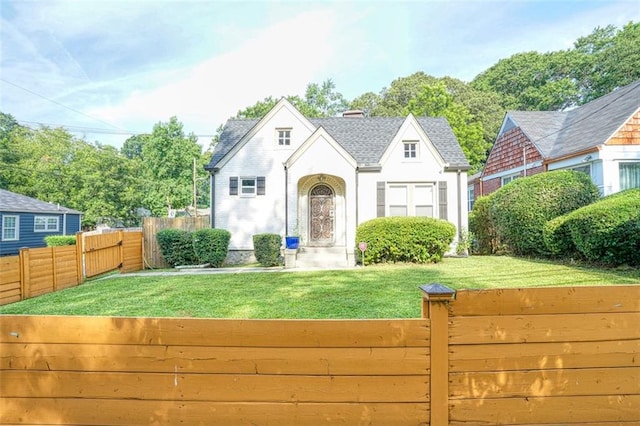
(280, 60)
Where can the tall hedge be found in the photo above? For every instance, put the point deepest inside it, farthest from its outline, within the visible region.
(405, 239)
(482, 228)
(211, 245)
(520, 209)
(267, 249)
(176, 246)
(608, 232)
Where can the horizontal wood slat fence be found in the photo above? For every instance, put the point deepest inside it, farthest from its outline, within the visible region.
(38, 271)
(151, 226)
(532, 356)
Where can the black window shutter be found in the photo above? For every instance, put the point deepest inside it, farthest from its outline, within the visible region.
(380, 199)
(233, 186)
(442, 203)
(260, 183)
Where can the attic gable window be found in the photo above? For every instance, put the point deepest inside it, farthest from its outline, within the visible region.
(284, 137)
(411, 150)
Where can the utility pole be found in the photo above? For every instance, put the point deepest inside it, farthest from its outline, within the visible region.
(195, 190)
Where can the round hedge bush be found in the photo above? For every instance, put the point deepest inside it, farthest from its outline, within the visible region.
(267, 249)
(176, 246)
(480, 225)
(211, 245)
(520, 209)
(405, 239)
(608, 231)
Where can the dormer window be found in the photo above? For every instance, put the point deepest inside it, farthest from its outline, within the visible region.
(284, 137)
(411, 150)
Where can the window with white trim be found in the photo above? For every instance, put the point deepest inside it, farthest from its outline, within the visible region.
(45, 224)
(248, 186)
(411, 199)
(10, 228)
(629, 175)
(509, 179)
(470, 197)
(410, 150)
(284, 137)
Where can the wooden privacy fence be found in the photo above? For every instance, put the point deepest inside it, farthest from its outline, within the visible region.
(151, 226)
(44, 270)
(532, 356)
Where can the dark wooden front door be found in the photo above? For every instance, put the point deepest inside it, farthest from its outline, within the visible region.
(322, 208)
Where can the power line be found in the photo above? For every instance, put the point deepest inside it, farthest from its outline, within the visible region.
(62, 105)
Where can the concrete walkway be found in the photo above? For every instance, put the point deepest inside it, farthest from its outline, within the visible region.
(213, 271)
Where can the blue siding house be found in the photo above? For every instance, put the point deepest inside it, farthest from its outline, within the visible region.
(25, 221)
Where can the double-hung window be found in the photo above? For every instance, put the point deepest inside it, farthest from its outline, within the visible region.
(509, 179)
(411, 199)
(247, 186)
(45, 224)
(10, 228)
(284, 137)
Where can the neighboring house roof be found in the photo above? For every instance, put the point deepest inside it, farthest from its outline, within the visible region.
(365, 138)
(560, 133)
(12, 202)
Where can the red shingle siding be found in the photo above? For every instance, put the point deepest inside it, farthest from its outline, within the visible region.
(507, 152)
(629, 133)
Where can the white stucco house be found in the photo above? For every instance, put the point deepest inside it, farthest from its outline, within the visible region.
(321, 177)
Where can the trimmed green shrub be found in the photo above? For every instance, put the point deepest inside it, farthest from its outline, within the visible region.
(176, 247)
(520, 210)
(608, 232)
(557, 237)
(267, 249)
(211, 245)
(60, 240)
(485, 240)
(405, 239)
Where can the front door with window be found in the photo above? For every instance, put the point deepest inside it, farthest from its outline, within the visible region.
(322, 211)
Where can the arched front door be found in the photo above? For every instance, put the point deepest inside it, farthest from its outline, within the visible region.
(322, 211)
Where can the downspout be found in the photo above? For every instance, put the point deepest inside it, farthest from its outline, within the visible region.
(64, 224)
(286, 200)
(459, 205)
(212, 200)
(357, 192)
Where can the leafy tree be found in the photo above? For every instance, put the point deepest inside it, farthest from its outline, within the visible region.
(609, 58)
(168, 166)
(324, 100)
(436, 101)
(132, 147)
(532, 81)
(367, 102)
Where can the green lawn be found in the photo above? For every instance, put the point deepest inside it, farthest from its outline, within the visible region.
(389, 291)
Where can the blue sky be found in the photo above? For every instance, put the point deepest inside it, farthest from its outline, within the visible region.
(109, 68)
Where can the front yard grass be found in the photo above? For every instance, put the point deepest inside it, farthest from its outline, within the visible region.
(386, 291)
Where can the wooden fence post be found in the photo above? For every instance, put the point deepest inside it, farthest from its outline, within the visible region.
(435, 307)
(25, 281)
(79, 258)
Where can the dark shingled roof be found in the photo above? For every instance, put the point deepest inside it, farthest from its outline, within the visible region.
(12, 202)
(365, 138)
(561, 133)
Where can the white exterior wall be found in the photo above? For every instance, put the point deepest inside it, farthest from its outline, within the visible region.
(323, 158)
(605, 172)
(260, 156)
(427, 168)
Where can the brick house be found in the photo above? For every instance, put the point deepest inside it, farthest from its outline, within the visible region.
(600, 138)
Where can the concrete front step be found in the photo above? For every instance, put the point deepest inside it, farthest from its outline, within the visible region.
(322, 257)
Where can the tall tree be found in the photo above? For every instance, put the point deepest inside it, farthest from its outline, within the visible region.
(168, 165)
(434, 100)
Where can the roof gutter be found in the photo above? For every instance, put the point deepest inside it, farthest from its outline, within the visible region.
(548, 161)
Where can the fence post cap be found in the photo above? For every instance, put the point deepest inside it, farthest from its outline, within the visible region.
(436, 291)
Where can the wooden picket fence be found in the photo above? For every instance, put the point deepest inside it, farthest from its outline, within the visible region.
(543, 356)
(38, 271)
(151, 225)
